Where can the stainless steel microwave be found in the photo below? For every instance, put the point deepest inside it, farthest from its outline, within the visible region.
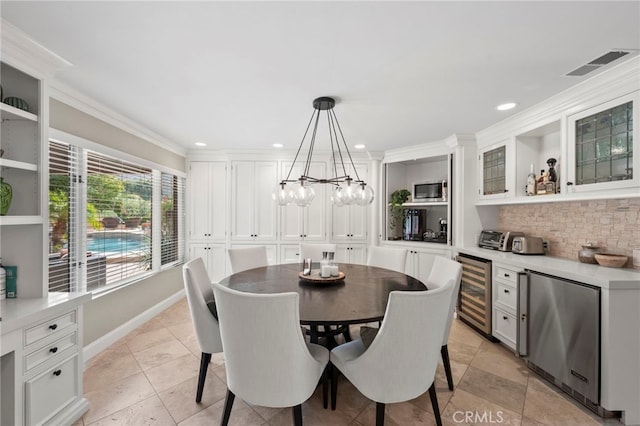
(430, 191)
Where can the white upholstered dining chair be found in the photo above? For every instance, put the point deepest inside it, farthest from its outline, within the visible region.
(197, 286)
(242, 259)
(388, 258)
(401, 362)
(267, 360)
(443, 271)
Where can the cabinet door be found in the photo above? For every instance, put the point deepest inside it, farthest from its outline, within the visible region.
(253, 210)
(494, 168)
(265, 179)
(358, 255)
(199, 200)
(48, 393)
(290, 253)
(214, 257)
(314, 215)
(342, 253)
(218, 204)
(243, 200)
(601, 146)
(341, 229)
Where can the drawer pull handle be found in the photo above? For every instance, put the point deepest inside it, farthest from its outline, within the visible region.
(57, 372)
(505, 318)
(506, 291)
(53, 350)
(506, 275)
(53, 326)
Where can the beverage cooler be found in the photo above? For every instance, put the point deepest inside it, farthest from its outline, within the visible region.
(474, 303)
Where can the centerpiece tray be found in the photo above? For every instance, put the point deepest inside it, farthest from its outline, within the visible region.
(316, 278)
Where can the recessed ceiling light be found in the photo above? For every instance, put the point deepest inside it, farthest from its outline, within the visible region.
(507, 106)
(359, 146)
(277, 145)
(200, 144)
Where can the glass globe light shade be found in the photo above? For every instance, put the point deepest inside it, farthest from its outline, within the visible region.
(303, 195)
(349, 193)
(282, 194)
(336, 196)
(365, 195)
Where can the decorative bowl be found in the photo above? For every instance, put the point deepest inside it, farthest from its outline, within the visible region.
(611, 260)
(16, 102)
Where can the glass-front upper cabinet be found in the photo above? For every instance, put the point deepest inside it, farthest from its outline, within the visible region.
(495, 168)
(601, 146)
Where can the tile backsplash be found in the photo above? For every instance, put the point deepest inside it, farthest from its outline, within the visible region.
(613, 224)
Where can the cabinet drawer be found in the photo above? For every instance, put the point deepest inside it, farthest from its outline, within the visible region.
(44, 329)
(506, 326)
(51, 391)
(506, 295)
(49, 351)
(507, 275)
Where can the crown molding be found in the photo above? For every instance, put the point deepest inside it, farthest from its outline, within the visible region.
(22, 52)
(427, 149)
(74, 98)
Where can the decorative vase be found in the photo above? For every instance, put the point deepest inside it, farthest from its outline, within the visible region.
(6, 194)
(588, 252)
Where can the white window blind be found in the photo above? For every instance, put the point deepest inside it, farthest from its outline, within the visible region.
(100, 219)
(63, 202)
(172, 221)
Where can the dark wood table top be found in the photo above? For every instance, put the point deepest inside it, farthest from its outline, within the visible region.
(360, 298)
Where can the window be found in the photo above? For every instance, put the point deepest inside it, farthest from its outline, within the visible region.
(100, 219)
(172, 223)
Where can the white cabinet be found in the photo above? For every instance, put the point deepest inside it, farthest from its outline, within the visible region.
(505, 299)
(208, 201)
(351, 253)
(253, 212)
(590, 130)
(41, 360)
(214, 257)
(601, 146)
(290, 253)
(305, 223)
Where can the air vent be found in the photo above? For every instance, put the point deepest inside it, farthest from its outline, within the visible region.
(605, 59)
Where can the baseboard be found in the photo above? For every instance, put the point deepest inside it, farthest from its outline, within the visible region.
(100, 344)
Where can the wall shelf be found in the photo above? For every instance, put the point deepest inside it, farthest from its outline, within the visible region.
(21, 220)
(12, 113)
(426, 204)
(4, 162)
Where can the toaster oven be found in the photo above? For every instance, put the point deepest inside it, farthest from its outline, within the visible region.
(498, 240)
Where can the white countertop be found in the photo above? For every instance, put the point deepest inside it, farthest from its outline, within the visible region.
(600, 276)
(16, 313)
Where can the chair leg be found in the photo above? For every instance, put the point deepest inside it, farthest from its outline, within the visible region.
(204, 364)
(325, 386)
(447, 365)
(434, 403)
(297, 415)
(379, 414)
(228, 403)
(334, 386)
(347, 334)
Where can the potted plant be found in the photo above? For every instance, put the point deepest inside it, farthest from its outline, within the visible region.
(396, 199)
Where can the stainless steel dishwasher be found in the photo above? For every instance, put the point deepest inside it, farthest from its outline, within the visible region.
(559, 334)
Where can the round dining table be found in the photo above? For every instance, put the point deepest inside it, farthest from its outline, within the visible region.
(359, 298)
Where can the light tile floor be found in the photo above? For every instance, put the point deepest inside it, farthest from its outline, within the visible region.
(149, 378)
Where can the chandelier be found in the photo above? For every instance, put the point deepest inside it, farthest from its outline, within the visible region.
(347, 189)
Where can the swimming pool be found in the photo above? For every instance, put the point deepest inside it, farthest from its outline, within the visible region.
(116, 244)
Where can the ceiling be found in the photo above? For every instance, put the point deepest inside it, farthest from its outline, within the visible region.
(243, 75)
